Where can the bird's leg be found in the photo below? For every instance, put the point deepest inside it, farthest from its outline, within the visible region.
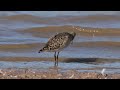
(57, 58)
(71, 42)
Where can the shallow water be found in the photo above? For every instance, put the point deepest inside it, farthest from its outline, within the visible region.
(84, 52)
(81, 67)
(13, 21)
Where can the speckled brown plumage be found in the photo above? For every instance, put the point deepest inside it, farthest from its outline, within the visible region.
(58, 42)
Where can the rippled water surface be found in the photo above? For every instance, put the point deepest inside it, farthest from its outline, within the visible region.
(12, 22)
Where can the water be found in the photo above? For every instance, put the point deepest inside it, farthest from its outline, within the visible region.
(81, 67)
(13, 21)
(58, 13)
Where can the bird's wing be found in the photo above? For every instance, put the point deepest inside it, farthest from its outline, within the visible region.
(52, 37)
(57, 41)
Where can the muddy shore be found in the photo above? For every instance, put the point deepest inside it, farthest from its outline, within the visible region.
(52, 74)
(56, 73)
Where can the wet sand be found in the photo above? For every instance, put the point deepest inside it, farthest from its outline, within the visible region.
(56, 73)
(52, 74)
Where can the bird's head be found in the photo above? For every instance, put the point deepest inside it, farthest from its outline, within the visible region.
(73, 34)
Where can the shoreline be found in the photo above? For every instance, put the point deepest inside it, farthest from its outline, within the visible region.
(52, 74)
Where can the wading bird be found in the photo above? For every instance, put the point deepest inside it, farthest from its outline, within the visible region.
(57, 43)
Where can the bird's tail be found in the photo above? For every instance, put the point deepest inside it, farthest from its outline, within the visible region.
(40, 50)
(43, 49)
